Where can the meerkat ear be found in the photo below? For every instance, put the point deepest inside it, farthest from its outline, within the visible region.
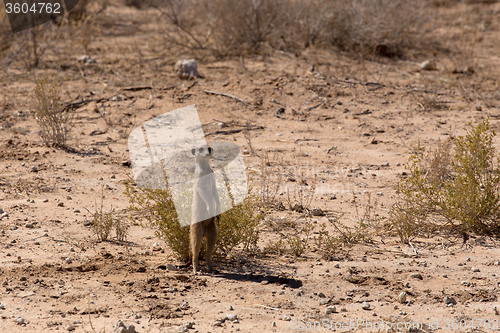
(210, 150)
(193, 151)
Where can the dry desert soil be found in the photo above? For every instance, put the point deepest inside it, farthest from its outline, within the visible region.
(347, 124)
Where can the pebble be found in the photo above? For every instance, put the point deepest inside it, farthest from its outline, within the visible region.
(4, 214)
(232, 316)
(428, 65)
(45, 200)
(343, 309)
(20, 321)
(120, 327)
(29, 225)
(465, 283)
(36, 243)
(264, 282)
(331, 309)
(321, 295)
(380, 194)
(217, 323)
(2, 307)
(317, 212)
(386, 164)
(445, 275)
(496, 263)
(402, 297)
(287, 318)
(273, 324)
(76, 210)
(231, 308)
(478, 107)
(68, 260)
(70, 328)
(365, 306)
(71, 249)
(398, 164)
(182, 329)
(45, 234)
(449, 301)
(34, 169)
(475, 269)
(221, 125)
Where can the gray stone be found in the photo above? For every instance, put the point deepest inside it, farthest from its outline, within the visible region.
(365, 306)
(449, 300)
(331, 309)
(186, 69)
(402, 297)
(120, 327)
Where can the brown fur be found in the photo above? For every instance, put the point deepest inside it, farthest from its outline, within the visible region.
(199, 230)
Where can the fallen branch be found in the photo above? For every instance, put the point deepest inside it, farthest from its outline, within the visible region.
(279, 112)
(314, 106)
(210, 92)
(77, 105)
(136, 88)
(267, 307)
(234, 131)
(232, 123)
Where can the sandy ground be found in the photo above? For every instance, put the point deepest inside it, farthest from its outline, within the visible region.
(343, 114)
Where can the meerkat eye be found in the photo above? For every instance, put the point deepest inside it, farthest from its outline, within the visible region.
(201, 150)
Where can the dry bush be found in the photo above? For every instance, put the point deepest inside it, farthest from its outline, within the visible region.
(234, 28)
(454, 191)
(55, 122)
(238, 226)
(6, 34)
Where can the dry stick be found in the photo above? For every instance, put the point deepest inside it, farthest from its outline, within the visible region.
(413, 248)
(314, 106)
(246, 134)
(210, 92)
(232, 123)
(267, 307)
(235, 131)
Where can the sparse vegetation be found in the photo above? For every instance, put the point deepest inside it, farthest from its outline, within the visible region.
(55, 122)
(229, 28)
(237, 226)
(454, 188)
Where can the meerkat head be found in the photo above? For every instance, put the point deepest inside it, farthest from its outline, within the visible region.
(202, 152)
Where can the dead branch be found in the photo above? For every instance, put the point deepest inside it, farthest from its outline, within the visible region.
(225, 95)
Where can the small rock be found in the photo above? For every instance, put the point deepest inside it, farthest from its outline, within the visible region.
(287, 318)
(365, 306)
(402, 297)
(20, 321)
(36, 243)
(68, 260)
(232, 317)
(4, 214)
(45, 234)
(34, 169)
(386, 164)
(189, 324)
(475, 269)
(445, 275)
(76, 210)
(71, 249)
(398, 164)
(380, 194)
(231, 308)
(331, 309)
(217, 323)
(428, 65)
(449, 301)
(465, 283)
(321, 295)
(86, 59)
(343, 309)
(182, 329)
(45, 200)
(119, 98)
(221, 125)
(2, 307)
(186, 69)
(120, 327)
(273, 324)
(70, 328)
(317, 212)
(29, 225)
(60, 204)
(264, 282)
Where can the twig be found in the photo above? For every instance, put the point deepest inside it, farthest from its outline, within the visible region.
(330, 149)
(210, 92)
(234, 131)
(314, 106)
(267, 307)
(413, 248)
(136, 88)
(246, 134)
(232, 123)
(81, 103)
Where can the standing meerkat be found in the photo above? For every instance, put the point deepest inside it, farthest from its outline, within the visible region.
(206, 205)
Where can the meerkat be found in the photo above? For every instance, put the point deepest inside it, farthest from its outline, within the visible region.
(206, 207)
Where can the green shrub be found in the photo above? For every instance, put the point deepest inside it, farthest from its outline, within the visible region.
(237, 226)
(456, 191)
